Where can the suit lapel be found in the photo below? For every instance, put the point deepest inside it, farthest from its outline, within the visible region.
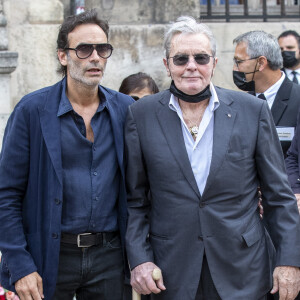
(50, 126)
(171, 127)
(281, 99)
(224, 117)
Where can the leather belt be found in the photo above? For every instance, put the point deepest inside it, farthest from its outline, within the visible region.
(87, 239)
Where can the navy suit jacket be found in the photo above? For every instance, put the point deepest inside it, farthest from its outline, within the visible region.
(31, 191)
(177, 224)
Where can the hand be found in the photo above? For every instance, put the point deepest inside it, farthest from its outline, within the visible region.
(298, 201)
(287, 280)
(30, 287)
(142, 281)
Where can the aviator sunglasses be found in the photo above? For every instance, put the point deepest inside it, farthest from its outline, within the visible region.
(85, 50)
(182, 59)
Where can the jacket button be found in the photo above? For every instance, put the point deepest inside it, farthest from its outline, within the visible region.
(57, 201)
(54, 235)
(202, 204)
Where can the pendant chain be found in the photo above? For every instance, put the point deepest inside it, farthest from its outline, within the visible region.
(193, 126)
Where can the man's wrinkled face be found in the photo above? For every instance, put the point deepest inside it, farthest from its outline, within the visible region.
(192, 77)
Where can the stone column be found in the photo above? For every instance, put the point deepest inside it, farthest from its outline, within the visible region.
(8, 63)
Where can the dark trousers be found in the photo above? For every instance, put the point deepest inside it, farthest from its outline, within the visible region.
(128, 293)
(206, 289)
(90, 273)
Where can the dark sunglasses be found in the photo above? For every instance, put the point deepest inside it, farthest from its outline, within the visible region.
(182, 59)
(85, 50)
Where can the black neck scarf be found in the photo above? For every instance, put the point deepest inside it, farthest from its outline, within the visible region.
(203, 95)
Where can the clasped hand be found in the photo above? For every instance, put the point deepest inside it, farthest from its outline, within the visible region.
(142, 281)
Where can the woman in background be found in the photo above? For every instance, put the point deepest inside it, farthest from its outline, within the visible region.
(138, 85)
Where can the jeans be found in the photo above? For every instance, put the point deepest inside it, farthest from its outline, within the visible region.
(90, 273)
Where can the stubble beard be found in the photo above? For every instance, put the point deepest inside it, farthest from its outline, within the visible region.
(77, 73)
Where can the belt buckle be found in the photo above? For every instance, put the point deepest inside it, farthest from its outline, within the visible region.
(78, 239)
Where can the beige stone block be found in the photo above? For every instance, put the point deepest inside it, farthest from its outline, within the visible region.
(45, 11)
(37, 58)
(170, 10)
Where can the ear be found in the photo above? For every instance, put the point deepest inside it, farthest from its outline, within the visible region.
(167, 67)
(214, 67)
(262, 63)
(215, 63)
(62, 57)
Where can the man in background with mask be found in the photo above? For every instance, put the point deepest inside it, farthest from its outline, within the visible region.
(289, 42)
(257, 64)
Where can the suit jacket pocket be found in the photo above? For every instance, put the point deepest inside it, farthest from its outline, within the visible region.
(253, 235)
(236, 156)
(157, 236)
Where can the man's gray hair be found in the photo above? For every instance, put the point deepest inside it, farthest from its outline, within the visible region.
(259, 43)
(187, 25)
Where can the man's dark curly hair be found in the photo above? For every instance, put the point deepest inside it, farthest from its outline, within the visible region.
(69, 24)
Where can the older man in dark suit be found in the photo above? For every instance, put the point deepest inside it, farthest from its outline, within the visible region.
(257, 64)
(201, 151)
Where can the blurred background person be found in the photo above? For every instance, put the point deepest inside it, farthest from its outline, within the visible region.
(289, 42)
(138, 85)
(257, 63)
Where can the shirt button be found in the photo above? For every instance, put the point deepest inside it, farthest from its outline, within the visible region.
(93, 225)
(95, 173)
(298, 179)
(97, 199)
(54, 235)
(57, 201)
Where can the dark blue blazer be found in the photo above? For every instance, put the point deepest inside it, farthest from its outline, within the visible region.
(31, 191)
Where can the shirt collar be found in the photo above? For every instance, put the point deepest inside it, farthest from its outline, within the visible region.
(65, 106)
(289, 71)
(272, 90)
(213, 104)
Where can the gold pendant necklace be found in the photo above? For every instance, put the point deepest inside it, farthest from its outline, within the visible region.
(194, 130)
(193, 126)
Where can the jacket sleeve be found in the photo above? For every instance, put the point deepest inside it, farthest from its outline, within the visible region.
(137, 244)
(291, 162)
(281, 214)
(14, 169)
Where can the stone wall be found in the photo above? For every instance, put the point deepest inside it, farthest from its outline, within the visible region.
(137, 28)
(32, 28)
